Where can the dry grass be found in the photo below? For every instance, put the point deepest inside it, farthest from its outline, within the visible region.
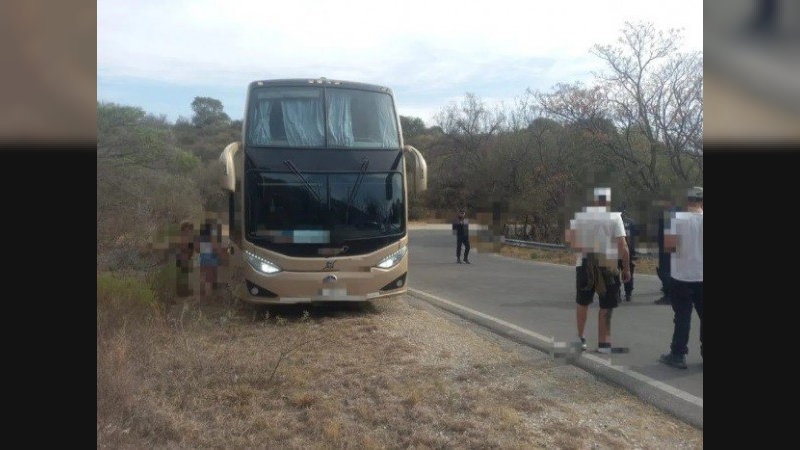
(643, 265)
(395, 373)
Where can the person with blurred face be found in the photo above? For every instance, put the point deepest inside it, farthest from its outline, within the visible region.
(461, 231)
(684, 240)
(598, 235)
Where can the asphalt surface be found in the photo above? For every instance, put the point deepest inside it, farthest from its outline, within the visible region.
(533, 303)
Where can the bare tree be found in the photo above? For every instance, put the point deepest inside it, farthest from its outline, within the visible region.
(646, 111)
(468, 130)
(654, 96)
(678, 112)
(469, 127)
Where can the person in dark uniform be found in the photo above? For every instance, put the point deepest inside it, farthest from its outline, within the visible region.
(663, 268)
(631, 231)
(461, 231)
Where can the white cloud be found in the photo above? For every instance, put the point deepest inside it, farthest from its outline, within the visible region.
(429, 45)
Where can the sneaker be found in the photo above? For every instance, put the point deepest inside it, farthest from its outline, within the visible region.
(663, 301)
(627, 297)
(458, 261)
(673, 360)
(604, 348)
(583, 344)
(467, 261)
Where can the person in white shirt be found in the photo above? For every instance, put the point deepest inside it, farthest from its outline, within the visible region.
(684, 240)
(598, 235)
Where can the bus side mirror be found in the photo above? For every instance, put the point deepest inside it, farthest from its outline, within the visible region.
(227, 175)
(420, 169)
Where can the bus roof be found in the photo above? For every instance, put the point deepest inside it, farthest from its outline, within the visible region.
(322, 81)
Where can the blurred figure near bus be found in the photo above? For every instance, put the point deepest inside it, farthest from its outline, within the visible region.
(184, 258)
(212, 254)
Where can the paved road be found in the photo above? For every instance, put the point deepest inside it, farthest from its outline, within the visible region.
(533, 303)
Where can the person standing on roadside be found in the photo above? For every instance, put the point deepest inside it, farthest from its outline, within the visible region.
(599, 236)
(663, 268)
(684, 240)
(461, 231)
(631, 231)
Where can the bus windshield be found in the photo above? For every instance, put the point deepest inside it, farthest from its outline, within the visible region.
(310, 116)
(323, 208)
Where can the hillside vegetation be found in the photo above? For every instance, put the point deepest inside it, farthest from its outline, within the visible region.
(206, 371)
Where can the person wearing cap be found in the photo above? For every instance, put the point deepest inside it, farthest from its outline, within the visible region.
(684, 240)
(461, 231)
(598, 235)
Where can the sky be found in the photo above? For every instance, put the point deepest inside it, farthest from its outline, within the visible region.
(160, 55)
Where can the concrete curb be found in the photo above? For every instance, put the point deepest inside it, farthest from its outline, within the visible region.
(682, 405)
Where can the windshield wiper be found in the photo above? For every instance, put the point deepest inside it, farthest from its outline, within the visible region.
(356, 185)
(305, 181)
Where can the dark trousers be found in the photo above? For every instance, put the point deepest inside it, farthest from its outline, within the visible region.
(462, 241)
(662, 271)
(629, 285)
(685, 296)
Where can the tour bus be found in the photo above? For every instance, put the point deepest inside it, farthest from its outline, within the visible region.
(318, 192)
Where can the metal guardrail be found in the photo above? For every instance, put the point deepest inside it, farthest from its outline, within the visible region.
(642, 253)
(533, 244)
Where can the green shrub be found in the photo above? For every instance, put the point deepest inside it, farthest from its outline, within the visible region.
(124, 300)
(163, 282)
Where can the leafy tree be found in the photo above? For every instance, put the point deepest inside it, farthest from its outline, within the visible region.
(208, 112)
(412, 127)
(209, 131)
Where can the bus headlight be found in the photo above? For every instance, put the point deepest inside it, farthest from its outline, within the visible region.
(392, 260)
(261, 264)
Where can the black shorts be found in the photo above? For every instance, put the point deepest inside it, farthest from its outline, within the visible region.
(610, 300)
